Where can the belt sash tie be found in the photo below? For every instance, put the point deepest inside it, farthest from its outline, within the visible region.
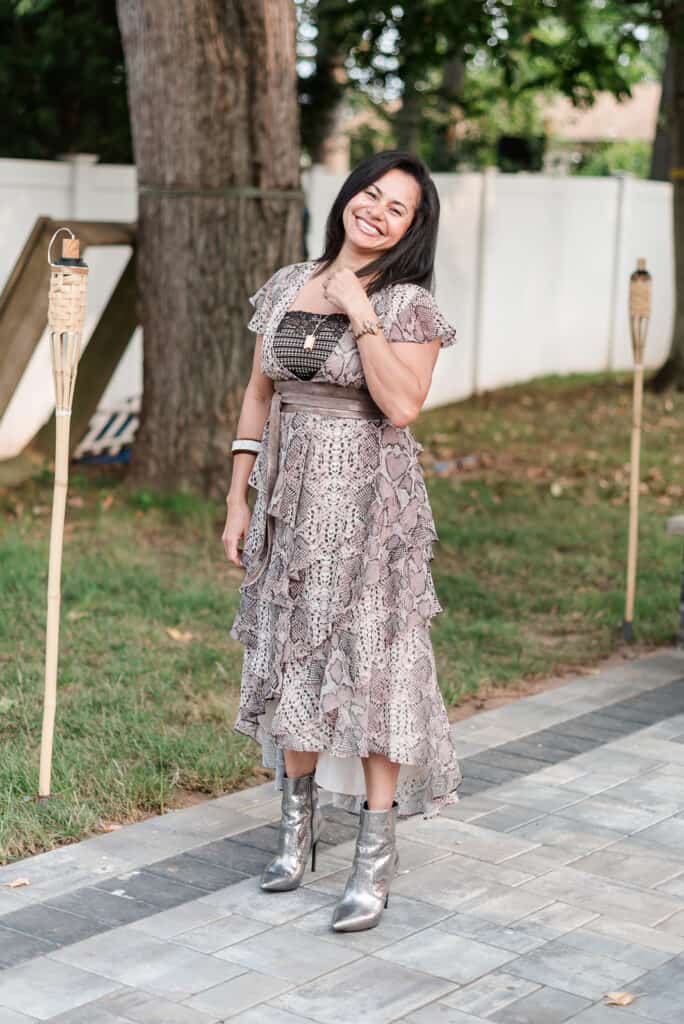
(311, 396)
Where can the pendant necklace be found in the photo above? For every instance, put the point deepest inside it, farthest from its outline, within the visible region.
(310, 339)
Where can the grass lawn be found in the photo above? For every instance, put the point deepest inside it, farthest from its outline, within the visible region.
(530, 571)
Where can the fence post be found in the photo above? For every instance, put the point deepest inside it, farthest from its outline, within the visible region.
(616, 293)
(79, 182)
(487, 195)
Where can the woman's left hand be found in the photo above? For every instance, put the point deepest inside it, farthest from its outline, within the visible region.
(344, 289)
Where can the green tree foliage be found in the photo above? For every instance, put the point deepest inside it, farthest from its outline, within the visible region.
(480, 60)
(62, 80)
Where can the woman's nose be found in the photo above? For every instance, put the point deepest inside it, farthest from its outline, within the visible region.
(375, 210)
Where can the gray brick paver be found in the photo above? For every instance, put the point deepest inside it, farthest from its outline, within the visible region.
(13, 1017)
(560, 875)
(382, 992)
(589, 941)
(440, 953)
(265, 1014)
(51, 924)
(16, 947)
(289, 953)
(152, 888)
(614, 814)
(132, 958)
(239, 993)
(43, 988)
(546, 1005)
(571, 835)
(138, 1007)
(441, 1013)
(562, 967)
(491, 993)
(603, 1013)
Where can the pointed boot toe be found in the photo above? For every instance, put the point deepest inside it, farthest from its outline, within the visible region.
(350, 917)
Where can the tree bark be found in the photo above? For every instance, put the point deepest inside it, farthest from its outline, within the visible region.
(447, 145)
(409, 116)
(326, 87)
(213, 101)
(671, 373)
(660, 154)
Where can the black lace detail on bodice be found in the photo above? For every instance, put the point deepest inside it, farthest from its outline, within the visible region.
(290, 333)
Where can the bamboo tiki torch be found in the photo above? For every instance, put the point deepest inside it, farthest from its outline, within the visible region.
(639, 313)
(66, 311)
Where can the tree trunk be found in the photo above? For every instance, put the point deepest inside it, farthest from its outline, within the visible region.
(660, 154)
(672, 371)
(408, 117)
(446, 146)
(212, 95)
(325, 89)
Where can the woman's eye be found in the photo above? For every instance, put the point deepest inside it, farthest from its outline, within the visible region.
(398, 212)
(369, 193)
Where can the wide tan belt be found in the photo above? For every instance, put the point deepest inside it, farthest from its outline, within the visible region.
(311, 396)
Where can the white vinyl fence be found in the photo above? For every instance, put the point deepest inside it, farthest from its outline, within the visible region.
(532, 270)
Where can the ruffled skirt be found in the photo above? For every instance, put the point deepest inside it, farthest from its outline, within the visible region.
(338, 655)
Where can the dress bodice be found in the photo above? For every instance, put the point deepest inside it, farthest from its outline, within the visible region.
(289, 335)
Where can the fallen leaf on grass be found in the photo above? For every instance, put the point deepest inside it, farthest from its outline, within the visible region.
(16, 882)
(76, 502)
(179, 635)
(74, 615)
(618, 998)
(114, 827)
(108, 501)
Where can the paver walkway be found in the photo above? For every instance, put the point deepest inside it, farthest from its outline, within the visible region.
(557, 878)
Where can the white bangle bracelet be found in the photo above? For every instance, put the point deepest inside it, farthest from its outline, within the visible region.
(245, 444)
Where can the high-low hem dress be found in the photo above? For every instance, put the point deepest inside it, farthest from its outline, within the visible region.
(336, 628)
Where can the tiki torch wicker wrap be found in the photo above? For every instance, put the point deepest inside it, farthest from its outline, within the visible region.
(67, 299)
(66, 312)
(639, 315)
(639, 308)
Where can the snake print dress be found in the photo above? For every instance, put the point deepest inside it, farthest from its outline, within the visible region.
(336, 630)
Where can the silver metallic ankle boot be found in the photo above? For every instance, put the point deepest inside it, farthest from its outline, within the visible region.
(300, 826)
(374, 866)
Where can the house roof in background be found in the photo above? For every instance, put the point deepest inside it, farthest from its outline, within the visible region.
(608, 119)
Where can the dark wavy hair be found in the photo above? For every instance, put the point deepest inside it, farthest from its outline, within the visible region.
(412, 259)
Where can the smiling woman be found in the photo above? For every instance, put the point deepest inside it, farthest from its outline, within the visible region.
(339, 682)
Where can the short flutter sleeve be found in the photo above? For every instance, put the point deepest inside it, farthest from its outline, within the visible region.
(262, 300)
(414, 315)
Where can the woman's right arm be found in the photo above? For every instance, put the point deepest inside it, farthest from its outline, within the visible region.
(253, 415)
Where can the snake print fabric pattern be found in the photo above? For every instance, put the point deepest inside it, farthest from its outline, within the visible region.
(338, 655)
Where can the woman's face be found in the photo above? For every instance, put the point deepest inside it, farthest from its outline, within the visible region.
(376, 218)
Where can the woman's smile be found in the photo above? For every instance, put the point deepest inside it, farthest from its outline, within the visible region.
(367, 227)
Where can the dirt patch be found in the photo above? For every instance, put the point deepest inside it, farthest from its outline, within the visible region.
(490, 697)
(188, 798)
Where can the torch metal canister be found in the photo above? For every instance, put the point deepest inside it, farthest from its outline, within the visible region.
(639, 315)
(66, 313)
